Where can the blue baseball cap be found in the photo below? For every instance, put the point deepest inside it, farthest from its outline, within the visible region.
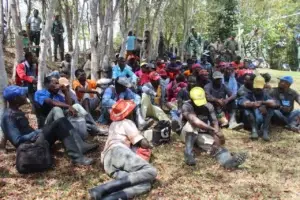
(288, 79)
(13, 91)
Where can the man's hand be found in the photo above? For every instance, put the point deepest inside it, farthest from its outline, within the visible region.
(220, 102)
(257, 104)
(34, 81)
(64, 89)
(263, 110)
(225, 101)
(72, 111)
(285, 109)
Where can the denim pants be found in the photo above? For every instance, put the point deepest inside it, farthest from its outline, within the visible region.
(260, 119)
(289, 118)
(120, 162)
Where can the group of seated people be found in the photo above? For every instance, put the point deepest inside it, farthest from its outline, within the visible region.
(196, 98)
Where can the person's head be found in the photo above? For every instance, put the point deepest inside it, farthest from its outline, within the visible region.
(267, 77)
(57, 17)
(285, 82)
(228, 71)
(122, 109)
(217, 78)
(151, 67)
(258, 85)
(203, 74)
(180, 78)
(173, 59)
(80, 75)
(189, 63)
(197, 95)
(29, 57)
(192, 82)
(52, 84)
(144, 67)
(130, 33)
(163, 74)
(248, 80)
(121, 62)
(121, 84)
(196, 67)
(15, 95)
(35, 13)
(238, 60)
(64, 81)
(154, 78)
(233, 35)
(67, 57)
(193, 29)
(204, 59)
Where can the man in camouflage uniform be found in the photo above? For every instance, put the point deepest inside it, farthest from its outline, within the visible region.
(193, 43)
(57, 34)
(231, 46)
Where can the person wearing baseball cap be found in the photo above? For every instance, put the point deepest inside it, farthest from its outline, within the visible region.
(122, 91)
(257, 106)
(152, 98)
(133, 174)
(17, 130)
(285, 98)
(223, 100)
(143, 74)
(202, 128)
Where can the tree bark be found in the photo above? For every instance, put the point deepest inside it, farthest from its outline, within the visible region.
(28, 3)
(74, 63)
(3, 84)
(1, 22)
(45, 43)
(68, 16)
(19, 44)
(94, 41)
(133, 19)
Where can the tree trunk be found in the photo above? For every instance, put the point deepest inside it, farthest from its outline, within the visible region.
(3, 84)
(1, 22)
(133, 19)
(45, 43)
(68, 16)
(94, 40)
(19, 44)
(28, 3)
(74, 63)
(84, 38)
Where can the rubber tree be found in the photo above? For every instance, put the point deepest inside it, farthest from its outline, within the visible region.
(3, 84)
(45, 43)
(94, 5)
(18, 38)
(75, 56)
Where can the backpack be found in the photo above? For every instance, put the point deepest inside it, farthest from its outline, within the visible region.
(161, 133)
(33, 156)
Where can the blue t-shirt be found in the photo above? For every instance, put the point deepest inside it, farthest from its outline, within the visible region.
(130, 43)
(41, 95)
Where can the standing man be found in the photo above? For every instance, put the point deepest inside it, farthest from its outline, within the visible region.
(34, 29)
(57, 34)
(231, 46)
(194, 43)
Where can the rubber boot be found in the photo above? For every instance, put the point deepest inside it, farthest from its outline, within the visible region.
(229, 161)
(141, 123)
(92, 127)
(74, 152)
(108, 188)
(176, 122)
(190, 139)
(266, 127)
(233, 125)
(116, 196)
(83, 146)
(254, 131)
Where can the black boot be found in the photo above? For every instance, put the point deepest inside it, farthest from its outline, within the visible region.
(109, 187)
(190, 139)
(116, 196)
(83, 146)
(266, 126)
(74, 152)
(142, 124)
(254, 131)
(229, 161)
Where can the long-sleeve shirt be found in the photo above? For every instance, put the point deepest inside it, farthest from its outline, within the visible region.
(232, 84)
(25, 73)
(110, 97)
(127, 72)
(16, 127)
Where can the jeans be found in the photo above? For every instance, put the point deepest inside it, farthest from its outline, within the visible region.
(289, 118)
(260, 119)
(120, 162)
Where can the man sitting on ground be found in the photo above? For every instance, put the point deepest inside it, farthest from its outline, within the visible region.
(17, 130)
(55, 106)
(257, 106)
(285, 98)
(197, 113)
(223, 100)
(134, 175)
(121, 91)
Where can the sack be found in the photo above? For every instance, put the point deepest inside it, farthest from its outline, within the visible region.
(161, 133)
(33, 156)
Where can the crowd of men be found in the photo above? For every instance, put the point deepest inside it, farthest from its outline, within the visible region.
(198, 98)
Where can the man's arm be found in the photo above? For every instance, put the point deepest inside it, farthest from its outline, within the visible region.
(195, 121)
(21, 73)
(146, 89)
(231, 96)
(209, 97)
(55, 103)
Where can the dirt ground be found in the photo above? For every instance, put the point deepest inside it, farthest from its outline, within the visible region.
(271, 172)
